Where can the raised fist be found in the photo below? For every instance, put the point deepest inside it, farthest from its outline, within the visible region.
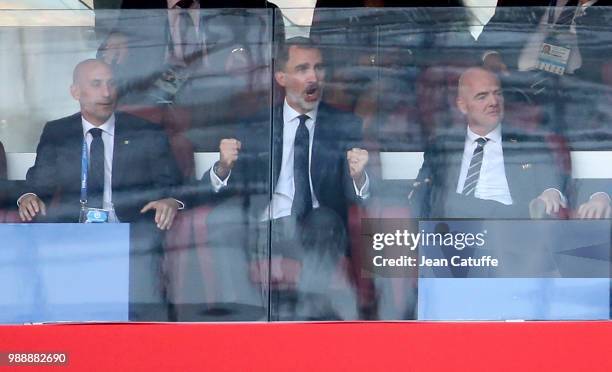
(229, 149)
(357, 160)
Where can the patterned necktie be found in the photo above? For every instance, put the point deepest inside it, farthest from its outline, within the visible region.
(473, 173)
(302, 199)
(95, 174)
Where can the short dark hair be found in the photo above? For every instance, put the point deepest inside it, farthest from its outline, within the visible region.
(282, 55)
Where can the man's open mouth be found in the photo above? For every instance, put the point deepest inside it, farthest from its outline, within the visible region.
(312, 92)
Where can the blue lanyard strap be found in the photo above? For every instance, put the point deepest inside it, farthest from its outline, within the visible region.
(84, 166)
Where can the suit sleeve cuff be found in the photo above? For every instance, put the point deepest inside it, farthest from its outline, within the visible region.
(600, 193)
(488, 53)
(216, 182)
(563, 199)
(180, 203)
(364, 191)
(23, 196)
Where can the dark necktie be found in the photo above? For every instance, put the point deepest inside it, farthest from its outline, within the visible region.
(189, 38)
(473, 173)
(302, 199)
(95, 174)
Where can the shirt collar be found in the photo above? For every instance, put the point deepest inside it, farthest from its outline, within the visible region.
(494, 135)
(290, 114)
(108, 127)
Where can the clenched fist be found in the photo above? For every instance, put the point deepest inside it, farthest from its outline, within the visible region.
(357, 160)
(229, 149)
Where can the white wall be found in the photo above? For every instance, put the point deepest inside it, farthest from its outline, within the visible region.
(36, 74)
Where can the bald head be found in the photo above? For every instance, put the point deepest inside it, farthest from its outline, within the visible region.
(480, 99)
(93, 86)
(84, 66)
(474, 75)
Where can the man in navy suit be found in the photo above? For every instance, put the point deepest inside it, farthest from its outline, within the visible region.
(295, 196)
(138, 177)
(486, 171)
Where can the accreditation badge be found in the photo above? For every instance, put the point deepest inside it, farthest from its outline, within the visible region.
(553, 58)
(93, 215)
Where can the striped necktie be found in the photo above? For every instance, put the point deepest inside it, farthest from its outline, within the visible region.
(473, 173)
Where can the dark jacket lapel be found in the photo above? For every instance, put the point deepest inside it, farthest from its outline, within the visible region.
(447, 168)
(72, 149)
(277, 144)
(321, 136)
(121, 149)
(511, 147)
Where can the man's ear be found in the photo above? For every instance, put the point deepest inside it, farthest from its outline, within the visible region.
(75, 92)
(461, 105)
(280, 77)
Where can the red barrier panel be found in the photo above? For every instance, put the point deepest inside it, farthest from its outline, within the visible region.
(422, 346)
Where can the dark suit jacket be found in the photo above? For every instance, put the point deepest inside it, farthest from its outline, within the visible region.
(2, 162)
(143, 167)
(257, 169)
(529, 166)
(3, 182)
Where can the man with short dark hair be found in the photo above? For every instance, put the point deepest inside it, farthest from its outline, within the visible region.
(297, 196)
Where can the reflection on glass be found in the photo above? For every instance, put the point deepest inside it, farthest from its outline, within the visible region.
(257, 174)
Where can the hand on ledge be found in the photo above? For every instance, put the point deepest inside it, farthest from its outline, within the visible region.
(30, 206)
(597, 207)
(553, 201)
(165, 212)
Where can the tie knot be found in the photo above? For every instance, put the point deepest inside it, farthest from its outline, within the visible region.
(303, 118)
(184, 4)
(96, 132)
(482, 141)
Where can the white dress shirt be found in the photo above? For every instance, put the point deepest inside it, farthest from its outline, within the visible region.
(108, 137)
(492, 183)
(480, 13)
(282, 199)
